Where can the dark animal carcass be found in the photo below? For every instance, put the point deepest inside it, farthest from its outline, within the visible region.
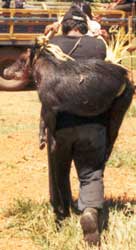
(86, 88)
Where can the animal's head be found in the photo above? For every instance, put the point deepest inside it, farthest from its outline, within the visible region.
(23, 70)
(17, 76)
(20, 67)
(24, 63)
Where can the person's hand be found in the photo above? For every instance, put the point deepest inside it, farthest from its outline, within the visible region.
(131, 49)
(52, 27)
(104, 34)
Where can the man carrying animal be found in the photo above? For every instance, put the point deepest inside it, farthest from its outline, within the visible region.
(89, 98)
(88, 141)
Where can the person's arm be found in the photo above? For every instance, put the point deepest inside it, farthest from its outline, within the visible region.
(115, 3)
(54, 27)
(118, 1)
(94, 27)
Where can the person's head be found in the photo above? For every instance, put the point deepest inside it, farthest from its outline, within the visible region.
(74, 19)
(84, 6)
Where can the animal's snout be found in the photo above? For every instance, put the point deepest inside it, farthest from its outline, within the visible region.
(8, 74)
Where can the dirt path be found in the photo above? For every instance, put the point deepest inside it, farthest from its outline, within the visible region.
(24, 168)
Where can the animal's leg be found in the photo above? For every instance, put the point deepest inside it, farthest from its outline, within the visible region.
(51, 124)
(47, 120)
(116, 115)
(59, 183)
(55, 196)
(42, 130)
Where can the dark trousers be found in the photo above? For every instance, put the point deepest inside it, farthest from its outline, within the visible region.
(86, 146)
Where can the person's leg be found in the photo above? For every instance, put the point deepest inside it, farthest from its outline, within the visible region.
(89, 158)
(59, 170)
(6, 4)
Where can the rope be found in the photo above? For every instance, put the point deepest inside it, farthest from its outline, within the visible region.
(42, 41)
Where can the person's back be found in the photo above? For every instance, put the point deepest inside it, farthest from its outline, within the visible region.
(87, 47)
(80, 46)
(74, 40)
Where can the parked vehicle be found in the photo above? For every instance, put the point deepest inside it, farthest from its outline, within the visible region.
(20, 27)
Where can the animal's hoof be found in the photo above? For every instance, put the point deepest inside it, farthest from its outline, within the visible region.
(42, 145)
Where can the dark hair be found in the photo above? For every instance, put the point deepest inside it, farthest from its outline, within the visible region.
(84, 6)
(74, 18)
(87, 9)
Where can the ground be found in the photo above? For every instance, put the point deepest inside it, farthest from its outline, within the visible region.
(24, 168)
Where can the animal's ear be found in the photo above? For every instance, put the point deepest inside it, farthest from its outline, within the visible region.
(28, 57)
(25, 55)
(31, 53)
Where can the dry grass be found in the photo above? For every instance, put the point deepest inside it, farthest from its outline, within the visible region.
(117, 48)
(35, 220)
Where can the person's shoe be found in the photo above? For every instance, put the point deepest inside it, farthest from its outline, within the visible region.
(90, 227)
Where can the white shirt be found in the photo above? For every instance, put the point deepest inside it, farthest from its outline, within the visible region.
(94, 28)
